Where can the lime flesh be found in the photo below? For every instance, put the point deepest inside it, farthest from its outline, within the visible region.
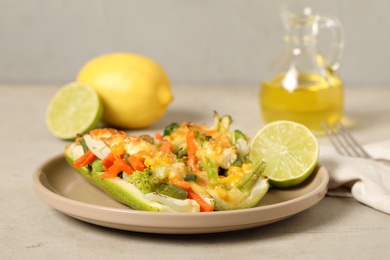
(290, 150)
(74, 109)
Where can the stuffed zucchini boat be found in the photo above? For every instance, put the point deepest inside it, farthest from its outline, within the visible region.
(187, 168)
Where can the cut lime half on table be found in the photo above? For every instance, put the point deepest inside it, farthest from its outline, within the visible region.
(290, 150)
(74, 109)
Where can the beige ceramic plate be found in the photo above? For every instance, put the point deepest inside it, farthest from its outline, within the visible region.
(62, 188)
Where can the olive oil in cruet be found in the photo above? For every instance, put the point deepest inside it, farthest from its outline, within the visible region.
(305, 86)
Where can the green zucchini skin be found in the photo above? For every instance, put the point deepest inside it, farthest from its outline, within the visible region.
(118, 189)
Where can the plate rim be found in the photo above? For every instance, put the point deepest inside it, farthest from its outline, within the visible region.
(50, 197)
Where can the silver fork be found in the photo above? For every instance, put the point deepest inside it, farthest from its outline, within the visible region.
(345, 144)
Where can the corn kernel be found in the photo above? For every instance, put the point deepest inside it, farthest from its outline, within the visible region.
(233, 170)
(118, 148)
(246, 167)
(222, 193)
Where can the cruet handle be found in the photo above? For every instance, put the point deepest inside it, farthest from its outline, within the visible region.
(337, 45)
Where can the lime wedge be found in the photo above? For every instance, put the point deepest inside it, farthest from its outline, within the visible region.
(290, 150)
(74, 109)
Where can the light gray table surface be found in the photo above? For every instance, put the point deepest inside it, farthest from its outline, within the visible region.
(335, 228)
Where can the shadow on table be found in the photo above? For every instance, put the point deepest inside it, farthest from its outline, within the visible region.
(314, 220)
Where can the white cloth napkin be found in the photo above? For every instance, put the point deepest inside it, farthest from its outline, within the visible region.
(365, 180)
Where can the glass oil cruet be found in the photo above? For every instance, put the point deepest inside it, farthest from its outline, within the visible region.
(304, 86)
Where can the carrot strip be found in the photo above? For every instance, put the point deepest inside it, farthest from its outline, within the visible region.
(166, 147)
(136, 163)
(112, 172)
(84, 160)
(182, 184)
(109, 159)
(158, 137)
(204, 206)
(124, 166)
(191, 150)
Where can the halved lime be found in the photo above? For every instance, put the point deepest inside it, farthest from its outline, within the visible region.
(74, 109)
(290, 150)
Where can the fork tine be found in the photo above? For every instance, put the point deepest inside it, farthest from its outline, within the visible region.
(340, 132)
(335, 139)
(353, 144)
(343, 141)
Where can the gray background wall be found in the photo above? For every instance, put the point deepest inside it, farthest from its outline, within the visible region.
(196, 41)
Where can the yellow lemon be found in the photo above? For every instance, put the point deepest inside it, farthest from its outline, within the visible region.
(134, 89)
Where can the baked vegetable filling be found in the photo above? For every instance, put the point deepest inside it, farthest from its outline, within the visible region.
(188, 168)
